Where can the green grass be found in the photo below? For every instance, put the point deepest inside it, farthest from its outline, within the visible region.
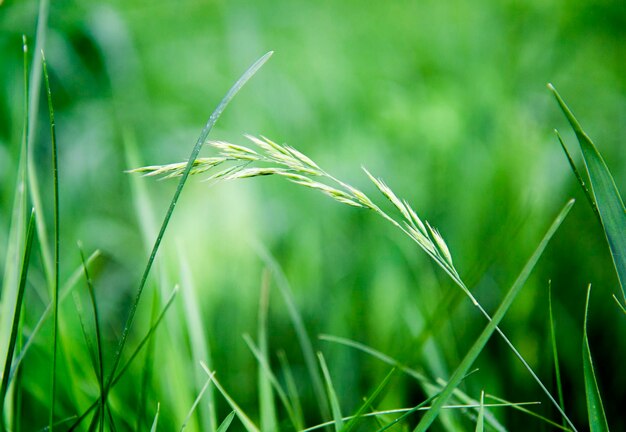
(410, 275)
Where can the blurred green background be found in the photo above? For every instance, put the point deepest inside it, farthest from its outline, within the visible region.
(446, 101)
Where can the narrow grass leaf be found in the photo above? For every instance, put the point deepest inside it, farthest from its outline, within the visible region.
(96, 317)
(484, 337)
(268, 375)
(480, 422)
(304, 340)
(130, 360)
(249, 73)
(579, 177)
(226, 423)
(368, 402)
(292, 388)
(243, 417)
(521, 408)
(195, 404)
(332, 395)
(16, 316)
(555, 352)
(605, 192)
(595, 409)
(155, 422)
(57, 231)
(200, 349)
(266, 378)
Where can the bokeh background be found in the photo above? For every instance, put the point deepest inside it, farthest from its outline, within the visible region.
(446, 101)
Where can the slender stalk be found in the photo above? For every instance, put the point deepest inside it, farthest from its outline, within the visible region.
(194, 154)
(55, 291)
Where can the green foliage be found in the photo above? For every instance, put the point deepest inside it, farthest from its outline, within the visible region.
(441, 99)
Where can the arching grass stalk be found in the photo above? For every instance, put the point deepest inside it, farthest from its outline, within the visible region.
(269, 158)
(183, 178)
(57, 229)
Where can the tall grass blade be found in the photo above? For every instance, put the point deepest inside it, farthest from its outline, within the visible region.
(195, 404)
(69, 284)
(200, 348)
(243, 417)
(132, 357)
(555, 352)
(16, 238)
(595, 409)
(292, 388)
(480, 422)
(484, 337)
(579, 177)
(304, 340)
(96, 316)
(33, 108)
(332, 395)
(369, 402)
(264, 368)
(266, 395)
(429, 387)
(155, 422)
(605, 193)
(226, 423)
(4, 387)
(57, 231)
(194, 154)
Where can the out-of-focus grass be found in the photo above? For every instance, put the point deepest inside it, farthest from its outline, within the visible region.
(446, 100)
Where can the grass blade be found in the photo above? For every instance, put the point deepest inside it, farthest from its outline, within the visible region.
(57, 230)
(306, 345)
(267, 406)
(555, 352)
(194, 154)
(134, 355)
(606, 196)
(370, 400)
(482, 340)
(226, 423)
(248, 424)
(265, 370)
(595, 410)
(156, 419)
(292, 388)
(332, 395)
(16, 316)
(195, 404)
(480, 422)
(92, 296)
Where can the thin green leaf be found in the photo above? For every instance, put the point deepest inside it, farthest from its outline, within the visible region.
(480, 422)
(156, 419)
(249, 73)
(266, 378)
(605, 193)
(370, 400)
(529, 412)
(579, 178)
(134, 355)
(595, 409)
(292, 388)
(195, 404)
(265, 370)
(555, 352)
(304, 340)
(16, 315)
(96, 316)
(57, 231)
(484, 337)
(332, 395)
(226, 423)
(248, 424)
